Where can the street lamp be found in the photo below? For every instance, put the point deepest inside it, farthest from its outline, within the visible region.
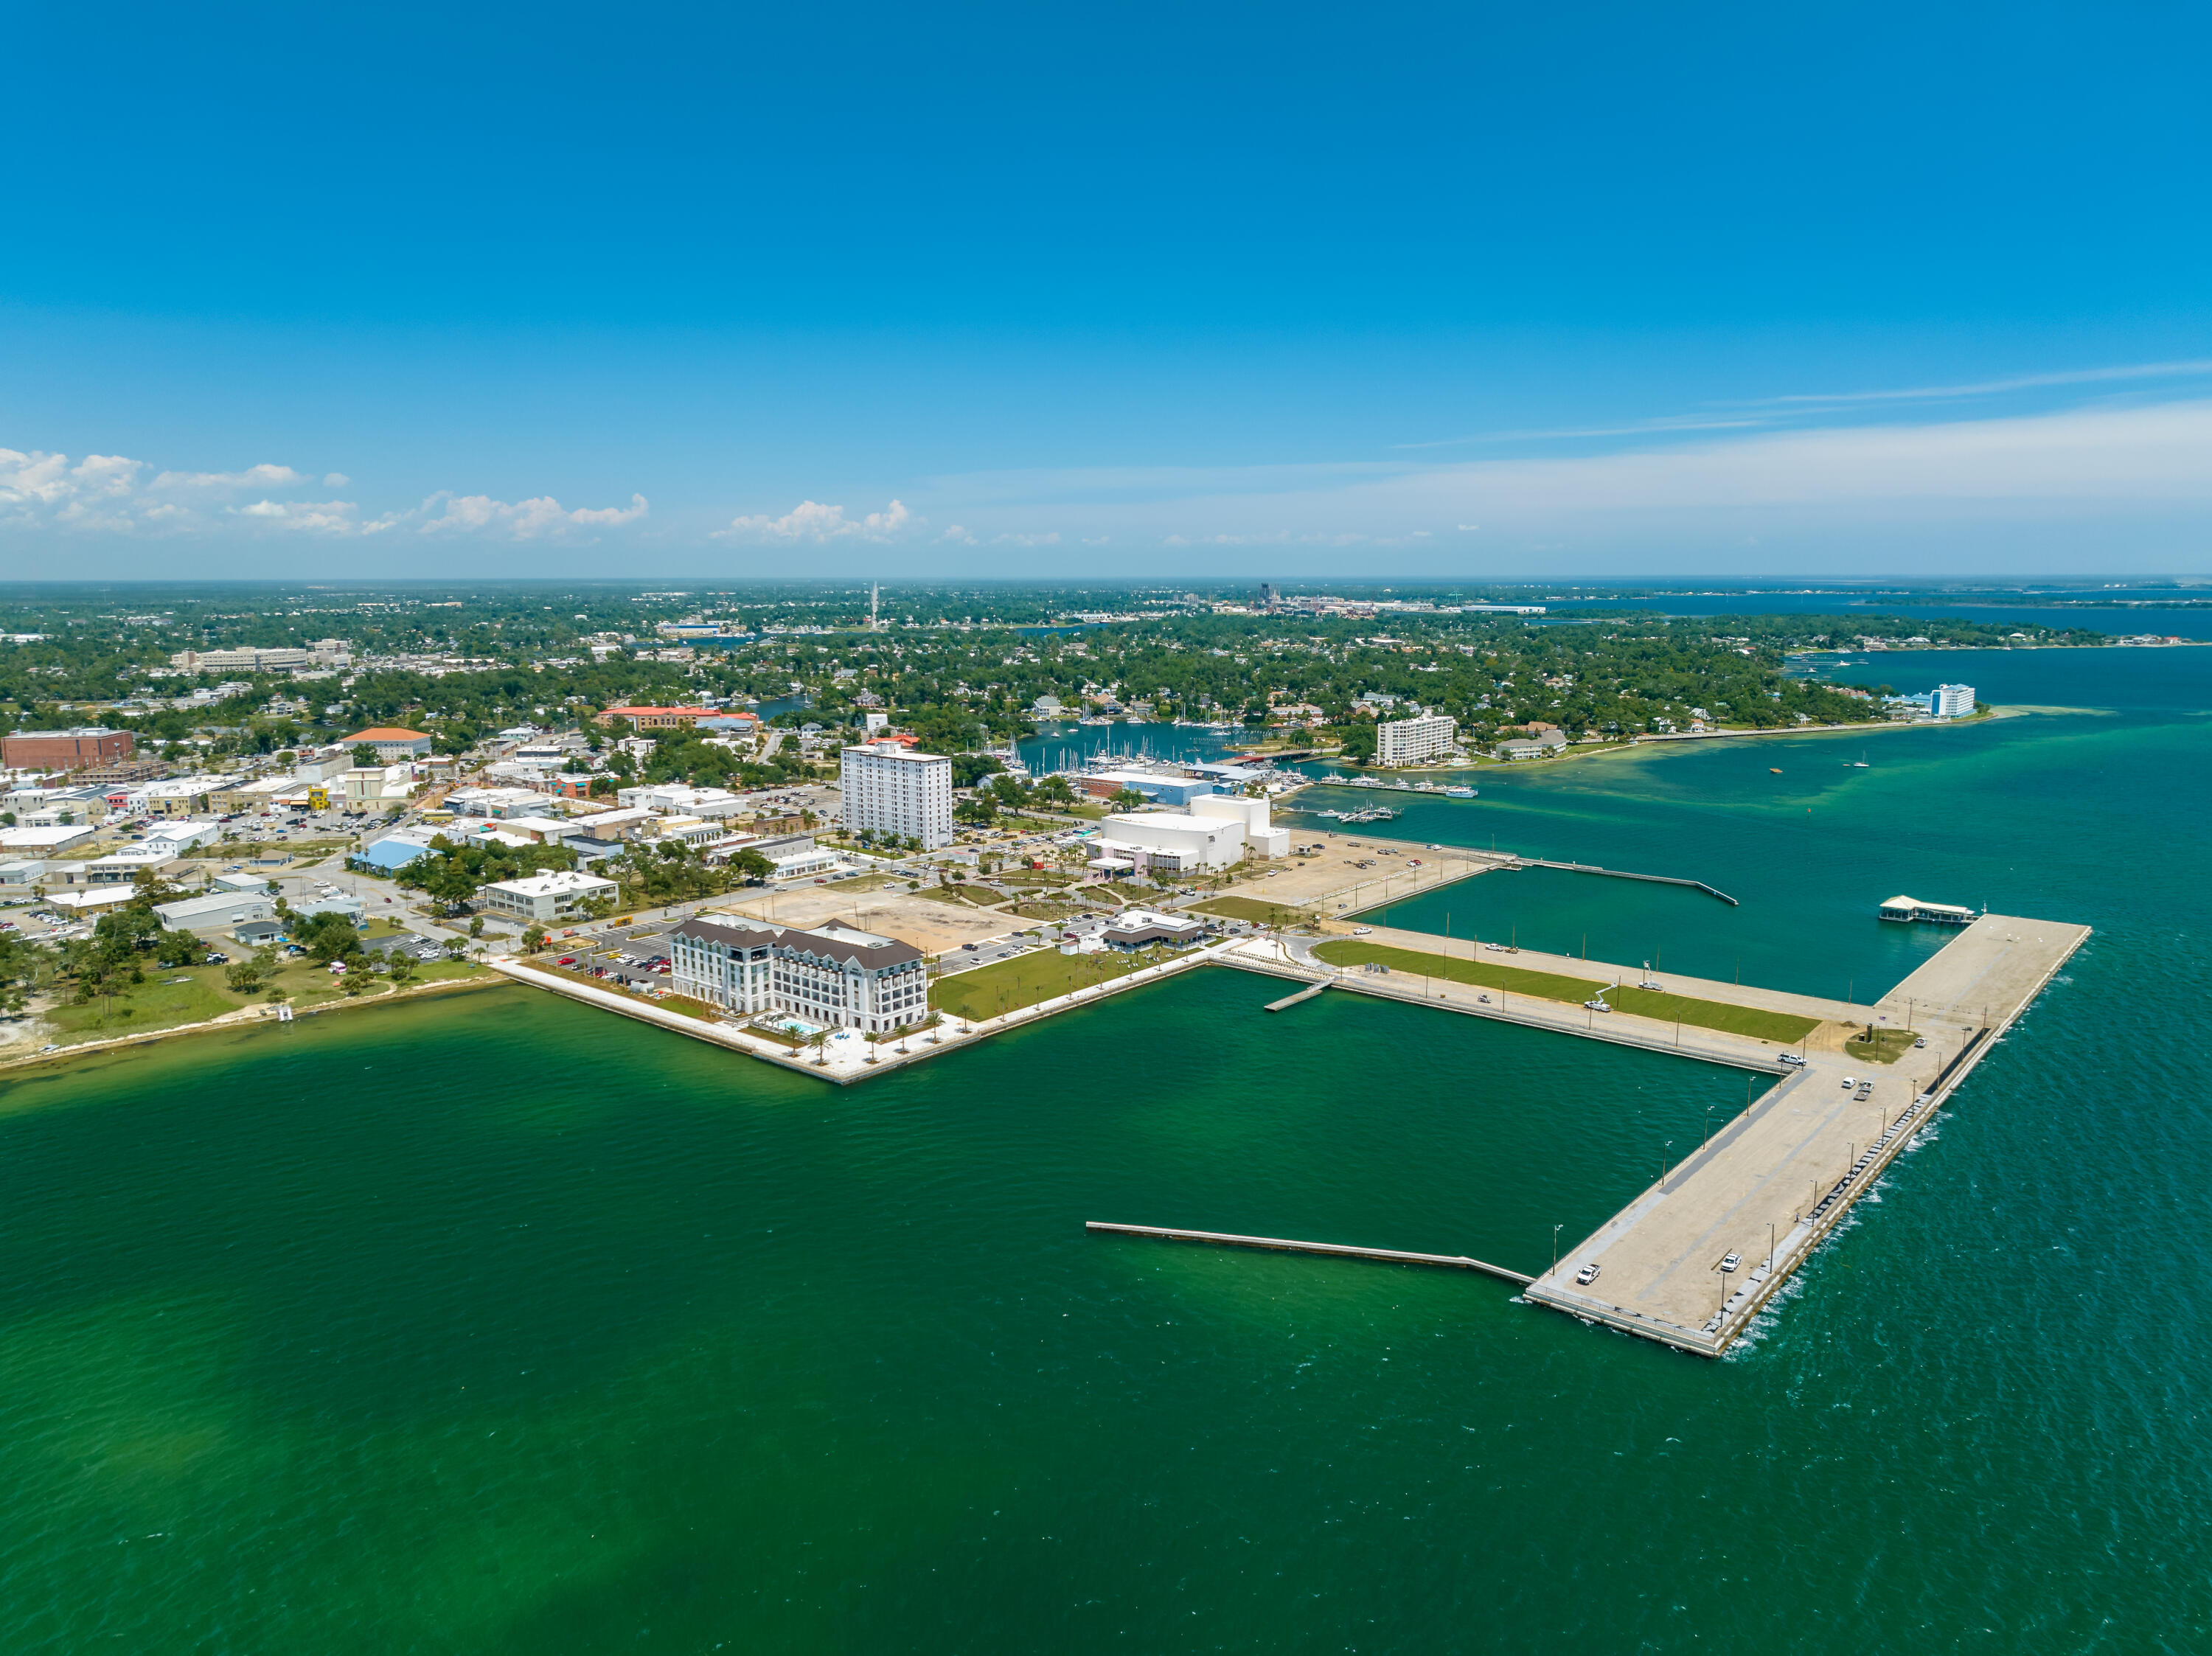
(1555, 1246)
(1662, 1164)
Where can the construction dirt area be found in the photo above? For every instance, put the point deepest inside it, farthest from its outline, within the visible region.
(1351, 872)
(929, 924)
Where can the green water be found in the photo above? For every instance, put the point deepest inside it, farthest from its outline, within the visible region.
(500, 1325)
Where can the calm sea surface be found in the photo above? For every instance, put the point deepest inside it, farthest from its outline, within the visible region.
(501, 1325)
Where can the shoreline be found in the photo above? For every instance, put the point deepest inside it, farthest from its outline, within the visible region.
(230, 1020)
(1613, 749)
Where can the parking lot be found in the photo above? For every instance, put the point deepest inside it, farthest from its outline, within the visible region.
(635, 954)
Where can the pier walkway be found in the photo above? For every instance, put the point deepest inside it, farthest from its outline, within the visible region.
(1770, 1184)
(1774, 1180)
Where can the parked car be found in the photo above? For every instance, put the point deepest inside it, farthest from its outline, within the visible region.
(566, 959)
(1362, 930)
(1790, 1058)
(1731, 1262)
(1586, 1275)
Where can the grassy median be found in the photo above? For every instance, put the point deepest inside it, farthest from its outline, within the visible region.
(1538, 985)
(1784, 1028)
(1781, 1027)
(1009, 985)
(1252, 909)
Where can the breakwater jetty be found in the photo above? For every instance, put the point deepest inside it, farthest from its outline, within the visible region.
(1622, 874)
(1334, 1250)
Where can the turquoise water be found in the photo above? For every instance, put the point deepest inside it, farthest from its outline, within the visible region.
(499, 1326)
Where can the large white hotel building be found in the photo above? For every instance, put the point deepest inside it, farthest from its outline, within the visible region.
(890, 789)
(1409, 741)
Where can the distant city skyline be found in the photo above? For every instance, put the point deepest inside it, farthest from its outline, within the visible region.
(1445, 293)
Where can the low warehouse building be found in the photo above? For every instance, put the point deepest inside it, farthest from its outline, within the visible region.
(220, 908)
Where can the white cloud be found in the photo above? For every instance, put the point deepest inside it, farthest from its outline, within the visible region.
(2102, 463)
(538, 519)
(260, 476)
(1050, 538)
(311, 517)
(810, 520)
(2188, 369)
(104, 493)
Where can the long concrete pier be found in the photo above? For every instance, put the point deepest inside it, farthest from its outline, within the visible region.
(1769, 1185)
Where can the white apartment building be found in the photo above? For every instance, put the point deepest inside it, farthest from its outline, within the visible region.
(890, 789)
(1411, 741)
(1952, 700)
(554, 895)
(840, 976)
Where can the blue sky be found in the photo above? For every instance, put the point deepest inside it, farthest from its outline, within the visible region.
(1470, 291)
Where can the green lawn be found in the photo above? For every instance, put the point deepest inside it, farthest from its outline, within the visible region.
(160, 1004)
(1887, 1047)
(1251, 908)
(156, 1003)
(1007, 985)
(1781, 1027)
(1539, 986)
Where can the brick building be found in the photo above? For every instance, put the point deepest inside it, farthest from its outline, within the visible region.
(64, 751)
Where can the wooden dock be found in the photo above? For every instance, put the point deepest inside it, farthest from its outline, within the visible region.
(1334, 1250)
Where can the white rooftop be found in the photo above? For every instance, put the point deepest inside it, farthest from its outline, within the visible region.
(553, 883)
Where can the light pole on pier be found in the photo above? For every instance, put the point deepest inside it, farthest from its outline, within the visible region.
(1708, 1138)
(1555, 1246)
(1662, 1165)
